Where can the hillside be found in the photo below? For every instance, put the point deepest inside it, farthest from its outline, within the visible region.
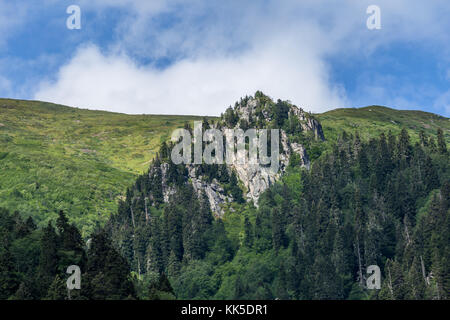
(371, 121)
(341, 203)
(55, 157)
(377, 195)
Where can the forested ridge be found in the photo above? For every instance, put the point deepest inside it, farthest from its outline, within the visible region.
(378, 200)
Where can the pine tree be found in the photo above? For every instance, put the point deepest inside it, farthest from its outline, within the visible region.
(248, 233)
(360, 225)
(363, 162)
(71, 246)
(404, 147)
(200, 225)
(442, 146)
(108, 273)
(392, 143)
(239, 289)
(432, 145)
(9, 278)
(23, 293)
(164, 151)
(154, 250)
(174, 230)
(155, 176)
(173, 265)
(423, 139)
(57, 290)
(164, 284)
(415, 282)
(383, 165)
(430, 175)
(277, 229)
(281, 291)
(48, 261)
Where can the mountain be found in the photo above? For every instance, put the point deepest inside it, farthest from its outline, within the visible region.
(365, 196)
(357, 188)
(298, 130)
(48, 152)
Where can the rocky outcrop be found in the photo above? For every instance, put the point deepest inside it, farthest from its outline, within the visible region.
(257, 178)
(167, 189)
(308, 123)
(314, 126)
(213, 191)
(259, 113)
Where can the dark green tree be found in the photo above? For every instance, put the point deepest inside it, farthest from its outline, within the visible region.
(442, 146)
(9, 278)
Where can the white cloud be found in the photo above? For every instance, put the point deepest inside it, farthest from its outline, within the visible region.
(205, 86)
(224, 50)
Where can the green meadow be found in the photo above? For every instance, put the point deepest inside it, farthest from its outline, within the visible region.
(54, 157)
(373, 120)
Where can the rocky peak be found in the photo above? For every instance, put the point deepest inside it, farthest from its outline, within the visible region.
(262, 112)
(259, 112)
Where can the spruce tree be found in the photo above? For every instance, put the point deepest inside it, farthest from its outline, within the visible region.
(108, 273)
(48, 261)
(277, 229)
(9, 278)
(57, 290)
(248, 233)
(442, 146)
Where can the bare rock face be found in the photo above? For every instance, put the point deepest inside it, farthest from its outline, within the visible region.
(166, 188)
(213, 190)
(314, 126)
(308, 123)
(257, 178)
(300, 150)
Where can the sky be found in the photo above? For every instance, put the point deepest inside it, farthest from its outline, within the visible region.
(200, 56)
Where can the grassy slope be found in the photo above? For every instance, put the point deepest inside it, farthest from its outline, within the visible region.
(371, 121)
(55, 157)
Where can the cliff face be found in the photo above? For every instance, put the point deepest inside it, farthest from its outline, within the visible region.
(308, 123)
(258, 112)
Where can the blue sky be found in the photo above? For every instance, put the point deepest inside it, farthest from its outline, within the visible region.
(198, 57)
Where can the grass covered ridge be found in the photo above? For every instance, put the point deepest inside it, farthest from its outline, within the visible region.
(373, 120)
(54, 157)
